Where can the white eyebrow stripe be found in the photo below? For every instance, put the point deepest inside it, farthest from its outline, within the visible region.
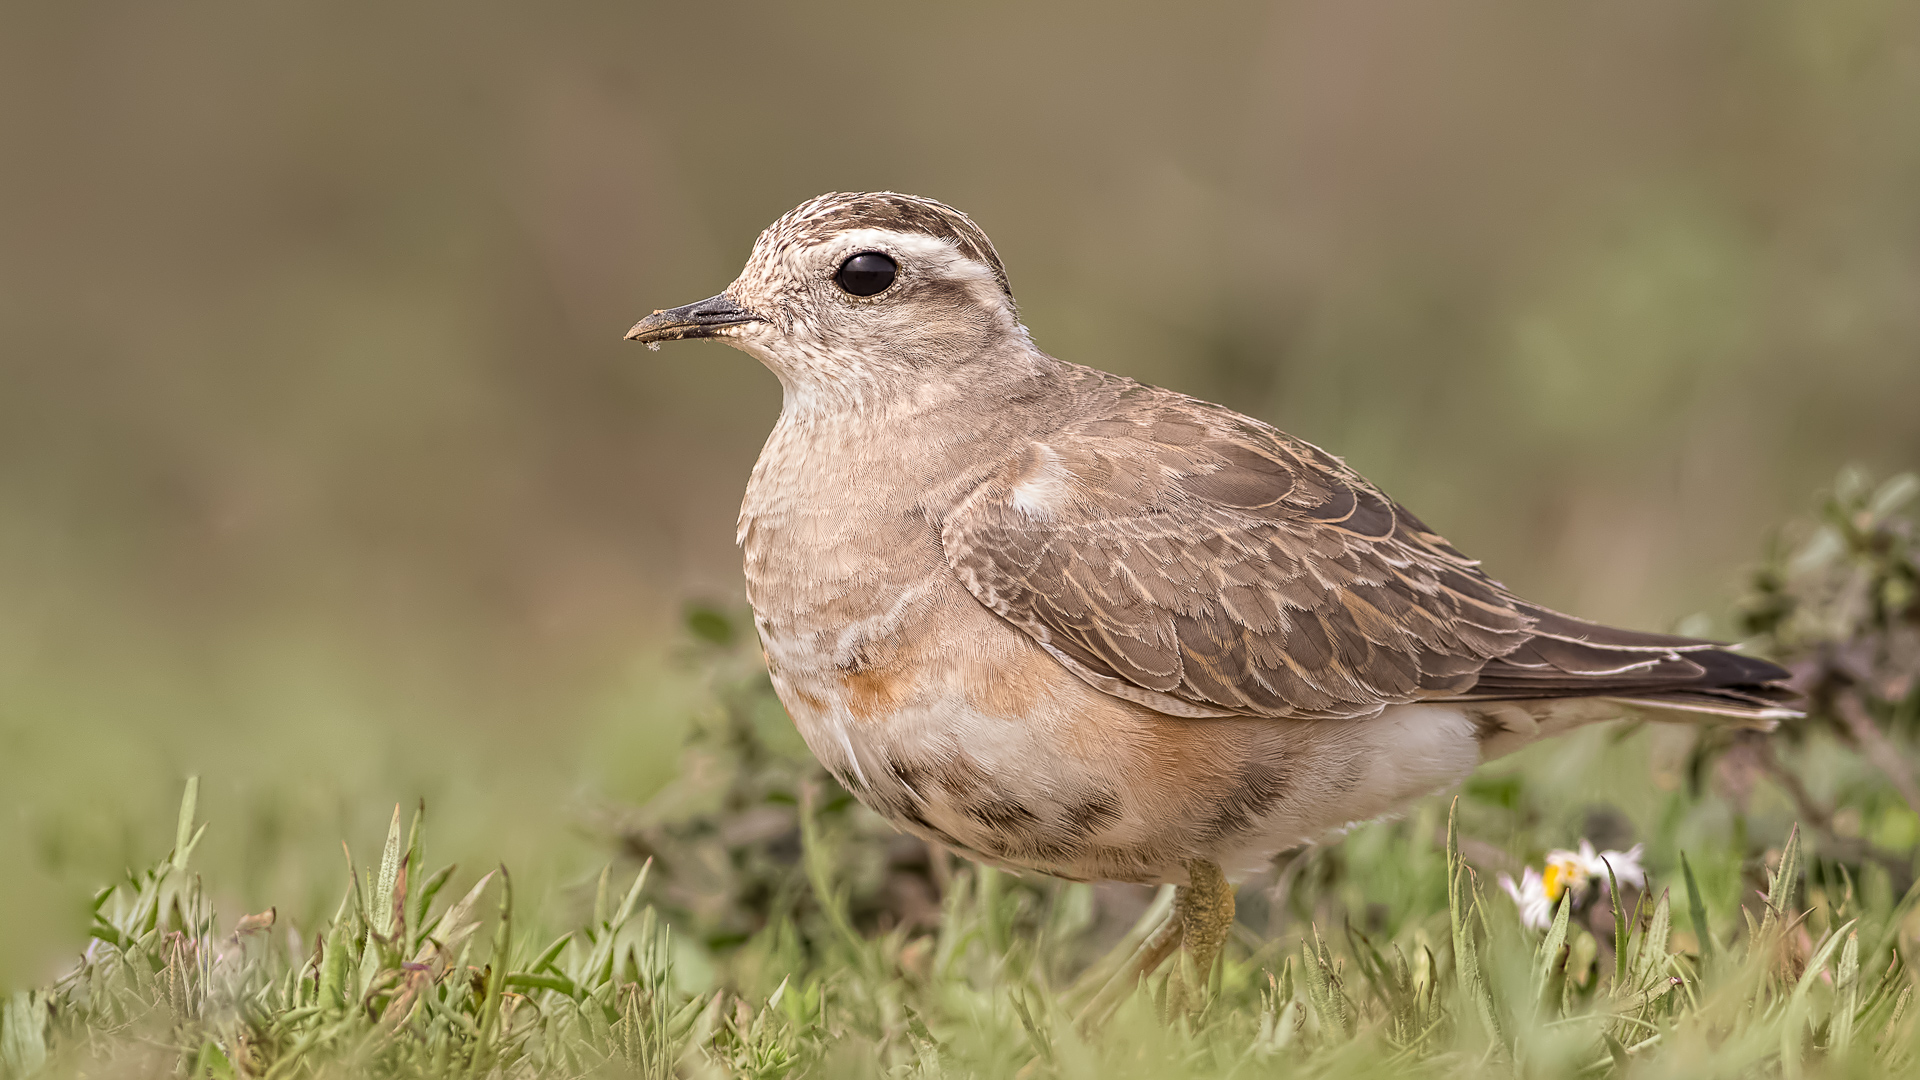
(943, 253)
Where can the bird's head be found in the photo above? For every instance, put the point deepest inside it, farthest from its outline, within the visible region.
(859, 292)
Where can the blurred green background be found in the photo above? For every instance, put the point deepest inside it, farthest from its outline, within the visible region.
(324, 471)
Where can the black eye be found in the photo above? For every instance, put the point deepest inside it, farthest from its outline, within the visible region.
(867, 273)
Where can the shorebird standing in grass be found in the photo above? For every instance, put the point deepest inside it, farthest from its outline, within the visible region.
(1058, 620)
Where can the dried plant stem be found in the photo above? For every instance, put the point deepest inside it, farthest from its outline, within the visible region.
(1880, 750)
(1809, 808)
(1820, 819)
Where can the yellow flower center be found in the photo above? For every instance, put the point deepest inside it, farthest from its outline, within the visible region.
(1559, 875)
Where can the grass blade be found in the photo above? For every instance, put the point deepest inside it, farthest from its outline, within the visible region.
(632, 898)
(383, 899)
(1622, 935)
(1697, 913)
(1783, 883)
(1547, 960)
(1461, 902)
(499, 962)
(412, 863)
(1846, 995)
(185, 836)
(455, 925)
(1326, 997)
(1650, 956)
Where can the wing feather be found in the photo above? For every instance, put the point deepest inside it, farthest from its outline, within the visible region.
(1175, 553)
(1196, 554)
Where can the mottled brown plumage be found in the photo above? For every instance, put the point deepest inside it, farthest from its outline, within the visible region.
(1059, 620)
(1205, 564)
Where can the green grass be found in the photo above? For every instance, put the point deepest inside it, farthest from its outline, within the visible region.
(409, 980)
(754, 921)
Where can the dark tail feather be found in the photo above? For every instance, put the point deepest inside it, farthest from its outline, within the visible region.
(1572, 658)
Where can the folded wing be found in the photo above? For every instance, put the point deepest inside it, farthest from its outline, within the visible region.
(1177, 554)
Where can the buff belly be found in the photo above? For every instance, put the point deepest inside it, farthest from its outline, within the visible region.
(984, 744)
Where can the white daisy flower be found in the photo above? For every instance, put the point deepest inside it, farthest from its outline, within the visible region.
(1536, 911)
(1539, 891)
(1576, 868)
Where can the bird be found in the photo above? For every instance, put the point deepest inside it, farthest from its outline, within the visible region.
(1058, 620)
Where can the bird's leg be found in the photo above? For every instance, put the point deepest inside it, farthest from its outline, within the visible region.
(1204, 907)
(1201, 918)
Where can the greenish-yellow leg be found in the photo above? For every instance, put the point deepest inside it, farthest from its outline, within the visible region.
(1201, 919)
(1204, 907)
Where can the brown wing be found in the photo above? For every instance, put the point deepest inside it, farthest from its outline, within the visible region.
(1174, 553)
(1183, 556)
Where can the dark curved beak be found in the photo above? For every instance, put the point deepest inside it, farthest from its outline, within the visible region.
(704, 319)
